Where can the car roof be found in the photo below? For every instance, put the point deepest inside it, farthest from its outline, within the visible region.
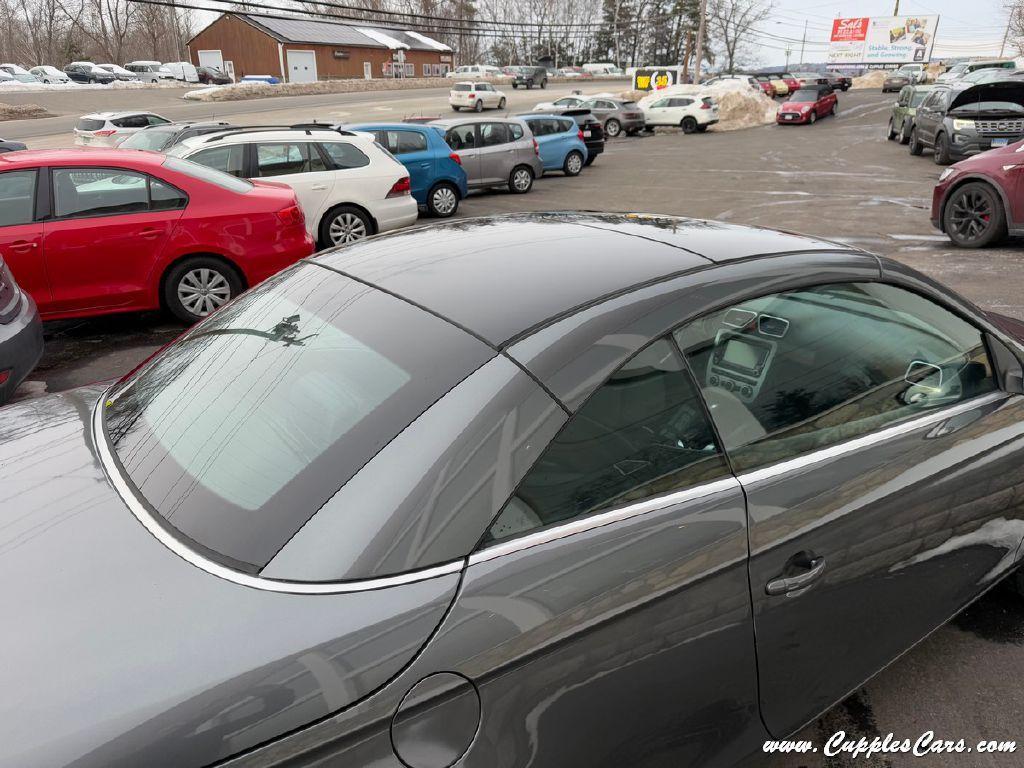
(448, 122)
(115, 115)
(538, 267)
(229, 136)
(32, 158)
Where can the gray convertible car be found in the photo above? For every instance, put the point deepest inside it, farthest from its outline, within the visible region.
(524, 491)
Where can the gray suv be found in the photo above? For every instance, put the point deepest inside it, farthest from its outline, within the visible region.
(529, 77)
(494, 152)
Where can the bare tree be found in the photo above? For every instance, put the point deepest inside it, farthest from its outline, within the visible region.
(731, 23)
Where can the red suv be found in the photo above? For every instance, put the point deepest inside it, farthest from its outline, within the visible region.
(979, 201)
(92, 232)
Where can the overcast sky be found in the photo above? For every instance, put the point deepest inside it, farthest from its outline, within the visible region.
(965, 29)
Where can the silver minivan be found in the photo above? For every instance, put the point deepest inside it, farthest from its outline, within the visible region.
(494, 152)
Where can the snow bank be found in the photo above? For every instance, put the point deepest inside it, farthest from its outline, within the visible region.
(739, 105)
(872, 79)
(19, 87)
(22, 112)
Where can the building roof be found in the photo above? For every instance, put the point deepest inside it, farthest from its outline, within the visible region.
(312, 31)
(500, 276)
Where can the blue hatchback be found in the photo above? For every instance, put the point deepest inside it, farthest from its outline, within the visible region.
(560, 141)
(438, 180)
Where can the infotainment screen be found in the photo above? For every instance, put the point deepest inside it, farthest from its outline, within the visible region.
(741, 354)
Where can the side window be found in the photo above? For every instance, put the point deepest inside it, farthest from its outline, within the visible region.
(661, 103)
(539, 127)
(642, 434)
(409, 141)
(344, 155)
(98, 192)
(155, 120)
(462, 137)
(795, 372)
(566, 125)
(281, 159)
(493, 134)
(229, 159)
(515, 131)
(164, 197)
(17, 197)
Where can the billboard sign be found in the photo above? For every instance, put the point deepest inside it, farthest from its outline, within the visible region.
(882, 40)
(656, 78)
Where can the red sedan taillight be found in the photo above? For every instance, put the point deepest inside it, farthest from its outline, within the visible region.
(455, 157)
(292, 216)
(536, 148)
(105, 133)
(400, 187)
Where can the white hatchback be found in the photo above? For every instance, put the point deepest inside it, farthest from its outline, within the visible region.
(691, 113)
(108, 129)
(476, 96)
(349, 187)
(47, 74)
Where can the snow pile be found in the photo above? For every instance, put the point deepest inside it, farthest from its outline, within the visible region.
(739, 105)
(872, 79)
(22, 111)
(19, 87)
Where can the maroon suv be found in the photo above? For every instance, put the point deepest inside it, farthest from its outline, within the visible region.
(978, 201)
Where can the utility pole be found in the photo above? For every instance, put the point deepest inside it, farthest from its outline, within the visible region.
(701, 29)
(896, 10)
(1006, 34)
(803, 42)
(789, 50)
(686, 55)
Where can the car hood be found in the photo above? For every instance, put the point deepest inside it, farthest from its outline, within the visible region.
(998, 91)
(120, 653)
(796, 105)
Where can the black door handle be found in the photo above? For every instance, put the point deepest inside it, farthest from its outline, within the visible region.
(801, 572)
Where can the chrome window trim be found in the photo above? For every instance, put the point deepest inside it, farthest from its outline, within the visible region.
(601, 519)
(105, 453)
(864, 441)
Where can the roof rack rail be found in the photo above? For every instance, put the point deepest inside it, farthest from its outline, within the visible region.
(307, 128)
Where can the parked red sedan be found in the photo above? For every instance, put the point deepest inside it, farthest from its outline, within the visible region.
(807, 105)
(979, 201)
(93, 232)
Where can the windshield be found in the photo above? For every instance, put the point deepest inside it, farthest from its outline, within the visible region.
(805, 95)
(155, 140)
(304, 379)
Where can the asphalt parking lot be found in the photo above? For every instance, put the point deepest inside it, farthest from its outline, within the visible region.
(838, 179)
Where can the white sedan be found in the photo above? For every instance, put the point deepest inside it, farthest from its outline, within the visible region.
(562, 104)
(477, 96)
(691, 113)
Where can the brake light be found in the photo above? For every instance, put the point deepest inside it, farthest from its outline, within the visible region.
(4, 376)
(292, 216)
(400, 187)
(705, 105)
(105, 133)
(536, 148)
(472, 95)
(579, 134)
(455, 157)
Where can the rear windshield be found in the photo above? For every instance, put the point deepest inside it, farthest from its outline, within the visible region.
(211, 175)
(241, 430)
(462, 87)
(87, 124)
(153, 139)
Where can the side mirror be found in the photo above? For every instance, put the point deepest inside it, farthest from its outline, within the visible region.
(1008, 369)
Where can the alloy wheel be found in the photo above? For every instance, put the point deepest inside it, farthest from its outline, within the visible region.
(346, 228)
(971, 214)
(574, 163)
(203, 290)
(521, 179)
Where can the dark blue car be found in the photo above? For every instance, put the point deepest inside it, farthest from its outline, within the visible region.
(438, 180)
(560, 142)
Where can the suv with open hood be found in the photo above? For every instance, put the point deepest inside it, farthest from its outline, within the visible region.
(958, 123)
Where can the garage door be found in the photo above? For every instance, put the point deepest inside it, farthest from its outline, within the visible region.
(301, 67)
(211, 59)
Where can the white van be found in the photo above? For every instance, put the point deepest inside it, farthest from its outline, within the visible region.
(603, 69)
(183, 70)
(470, 71)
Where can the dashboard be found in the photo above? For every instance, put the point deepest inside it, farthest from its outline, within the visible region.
(743, 351)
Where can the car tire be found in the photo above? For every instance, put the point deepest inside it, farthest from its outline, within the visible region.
(688, 124)
(520, 181)
(479, 106)
(573, 163)
(813, 118)
(835, 109)
(185, 283)
(443, 200)
(501, 104)
(590, 160)
(973, 216)
(612, 128)
(941, 153)
(648, 129)
(916, 147)
(904, 137)
(890, 133)
(514, 86)
(343, 224)
(456, 109)
(543, 84)
(702, 128)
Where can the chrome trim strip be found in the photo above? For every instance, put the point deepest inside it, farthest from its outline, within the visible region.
(856, 443)
(602, 519)
(103, 449)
